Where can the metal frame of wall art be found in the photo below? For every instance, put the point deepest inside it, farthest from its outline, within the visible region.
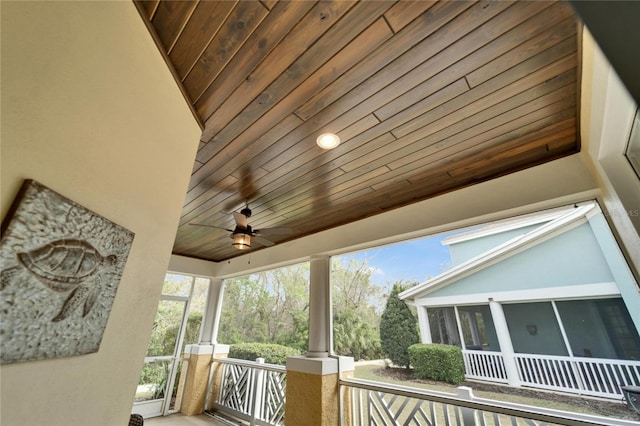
(61, 265)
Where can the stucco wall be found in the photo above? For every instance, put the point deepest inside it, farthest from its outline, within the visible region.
(90, 110)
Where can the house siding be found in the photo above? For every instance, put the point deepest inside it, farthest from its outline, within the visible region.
(465, 250)
(571, 258)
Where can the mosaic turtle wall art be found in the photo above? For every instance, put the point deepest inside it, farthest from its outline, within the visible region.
(61, 265)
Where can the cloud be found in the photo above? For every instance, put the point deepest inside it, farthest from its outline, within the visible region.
(374, 270)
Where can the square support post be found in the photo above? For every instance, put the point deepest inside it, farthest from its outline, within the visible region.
(215, 377)
(313, 391)
(197, 375)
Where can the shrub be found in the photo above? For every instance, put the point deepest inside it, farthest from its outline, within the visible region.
(398, 328)
(272, 354)
(437, 362)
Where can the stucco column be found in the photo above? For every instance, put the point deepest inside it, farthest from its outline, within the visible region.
(197, 376)
(313, 392)
(320, 333)
(219, 351)
(504, 339)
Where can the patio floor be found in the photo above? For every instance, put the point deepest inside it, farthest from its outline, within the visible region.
(181, 420)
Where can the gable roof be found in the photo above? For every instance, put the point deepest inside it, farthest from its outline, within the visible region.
(560, 224)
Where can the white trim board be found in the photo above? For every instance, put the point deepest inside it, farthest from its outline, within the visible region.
(509, 224)
(583, 291)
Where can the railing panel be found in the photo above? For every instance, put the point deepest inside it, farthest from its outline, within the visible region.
(585, 376)
(373, 403)
(484, 365)
(275, 388)
(252, 391)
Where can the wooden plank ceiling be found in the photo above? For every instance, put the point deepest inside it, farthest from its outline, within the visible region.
(427, 97)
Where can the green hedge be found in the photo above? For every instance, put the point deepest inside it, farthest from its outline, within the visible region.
(437, 362)
(272, 354)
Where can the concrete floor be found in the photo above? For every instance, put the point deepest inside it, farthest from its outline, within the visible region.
(180, 420)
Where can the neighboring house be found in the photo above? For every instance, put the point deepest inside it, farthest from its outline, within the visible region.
(545, 300)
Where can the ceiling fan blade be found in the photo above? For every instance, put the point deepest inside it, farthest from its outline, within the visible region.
(247, 182)
(210, 226)
(274, 231)
(263, 241)
(241, 220)
(245, 187)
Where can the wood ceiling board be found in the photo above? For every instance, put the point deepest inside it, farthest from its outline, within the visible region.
(549, 37)
(503, 137)
(280, 61)
(257, 49)
(205, 22)
(169, 20)
(210, 187)
(312, 172)
(428, 97)
(503, 134)
(283, 96)
(406, 146)
(519, 116)
(376, 89)
(552, 62)
(507, 153)
(269, 4)
(403, 12)
(483, 120)
(417, 166)
(148, 7)
(426, 25)
(232, 35)
(506, 45)
(244, 148)
(381, 95)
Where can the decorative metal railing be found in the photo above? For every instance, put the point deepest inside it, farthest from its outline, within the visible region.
(586, 376)
(371, 403)
(484, 365)
(252, 391)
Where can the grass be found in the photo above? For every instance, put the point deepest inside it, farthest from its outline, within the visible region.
(576, 404)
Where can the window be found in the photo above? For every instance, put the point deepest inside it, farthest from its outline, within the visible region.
(442, 322)
(477, 328)
(599, 329)
(534, 329)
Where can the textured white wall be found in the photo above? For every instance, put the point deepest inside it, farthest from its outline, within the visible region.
(90, 110)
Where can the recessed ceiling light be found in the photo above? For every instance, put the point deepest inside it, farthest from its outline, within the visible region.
(328, 141)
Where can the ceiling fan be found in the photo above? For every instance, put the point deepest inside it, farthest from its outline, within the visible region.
(243, 235)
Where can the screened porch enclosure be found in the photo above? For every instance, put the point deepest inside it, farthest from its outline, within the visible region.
(580, 346)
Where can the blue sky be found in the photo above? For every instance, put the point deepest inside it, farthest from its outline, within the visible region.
(414, 260)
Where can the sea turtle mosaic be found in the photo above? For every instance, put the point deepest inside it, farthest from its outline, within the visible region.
(65, 265)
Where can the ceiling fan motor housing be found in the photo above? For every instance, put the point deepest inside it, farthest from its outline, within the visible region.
(240, 230)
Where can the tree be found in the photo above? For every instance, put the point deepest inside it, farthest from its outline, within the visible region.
(398, 328)
(356, 305)
(354, 337)
(267, 307)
